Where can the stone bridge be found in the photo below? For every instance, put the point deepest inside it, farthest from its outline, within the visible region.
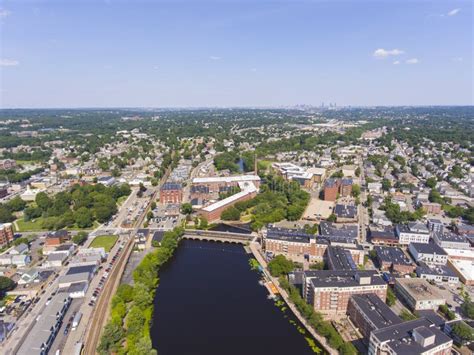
(214, 236)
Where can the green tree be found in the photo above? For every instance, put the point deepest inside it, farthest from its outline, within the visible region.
(6, 284)
(5, 214)
(80, 238)
(186, 208)
(16, 204)
(83, 218)
(463, 332)
(43, 201)
(391, 298)
(19, 241)
(111, 339)
(431, 182)
(355, 190)
(230, 214)
(386, 185)
(280, 265)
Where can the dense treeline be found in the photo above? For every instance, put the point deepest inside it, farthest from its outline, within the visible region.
(13, 176)
(128, 330)
(80, 206)
(8, 209)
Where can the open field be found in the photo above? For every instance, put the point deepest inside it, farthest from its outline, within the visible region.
(104, 241)
(35, 225)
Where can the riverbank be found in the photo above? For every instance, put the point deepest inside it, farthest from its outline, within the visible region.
(211, 302)
(255, 248)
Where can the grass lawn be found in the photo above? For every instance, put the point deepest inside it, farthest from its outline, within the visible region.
(104, 241)
(121, 200)
(30, 226)
(35, 225)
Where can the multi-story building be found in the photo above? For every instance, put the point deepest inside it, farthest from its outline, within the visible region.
(329, 291)
(214, 211)
(387, 236)
(6, 234)
(293, 243)
(368, 313)
(437, 273)
(451, 240)
(464, 269)
(345, 187)
(428, 253)
(171, 193)
(413, 232)
(393, 259)
(435, 225)
(331, 189)
(417, 336)
(339, 258)
(210, 187)
(419, 294)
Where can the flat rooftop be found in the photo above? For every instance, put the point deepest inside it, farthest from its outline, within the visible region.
(420, 289)
(376, 310)
(399, 338)
(343, 278)
(222, 179)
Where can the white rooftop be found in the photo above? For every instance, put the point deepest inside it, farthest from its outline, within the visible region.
(465, 268)
(218, 179)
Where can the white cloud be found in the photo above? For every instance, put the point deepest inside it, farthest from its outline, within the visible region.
(396, 62)
(458, 59)
(9, 62)
(156, 67)
(253, 70)
(384, 53)
(453, 12)
(213, 57)
(4, 13)
(412, 61)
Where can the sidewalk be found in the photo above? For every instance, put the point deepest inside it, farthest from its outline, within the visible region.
(256, 252)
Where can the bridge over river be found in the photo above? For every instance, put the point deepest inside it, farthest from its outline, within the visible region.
(217, 236)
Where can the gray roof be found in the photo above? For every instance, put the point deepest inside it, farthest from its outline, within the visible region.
(429, 248)
(328, 229)
(392, 255)
(376, 310)
(450, 237)
(340, 258)
(399, 336)
(345, 211)
(342, 278)
(291, 235)
(442, 270)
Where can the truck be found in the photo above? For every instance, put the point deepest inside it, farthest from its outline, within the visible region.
(76, 320)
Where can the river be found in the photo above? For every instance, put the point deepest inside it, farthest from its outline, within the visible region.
(209, 302)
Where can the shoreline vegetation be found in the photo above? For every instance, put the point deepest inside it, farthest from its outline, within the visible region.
(128, 328)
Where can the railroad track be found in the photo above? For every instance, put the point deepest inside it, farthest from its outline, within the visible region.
(101, 312)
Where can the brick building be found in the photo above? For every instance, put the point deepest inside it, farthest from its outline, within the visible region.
(368, 313)
(329, 291)
(6, 234)
(293, 243)
(331, 189)
(394, 259)
(171, 192)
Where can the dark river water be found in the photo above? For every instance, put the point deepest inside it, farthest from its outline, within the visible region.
(209, 302)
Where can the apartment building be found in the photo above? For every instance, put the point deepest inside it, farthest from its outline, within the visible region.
(6, 234)
(413, 232)
(329, 291)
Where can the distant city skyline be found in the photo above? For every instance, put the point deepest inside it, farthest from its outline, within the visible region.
(155, 54)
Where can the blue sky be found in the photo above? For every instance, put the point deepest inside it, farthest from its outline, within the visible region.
(235, 53)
